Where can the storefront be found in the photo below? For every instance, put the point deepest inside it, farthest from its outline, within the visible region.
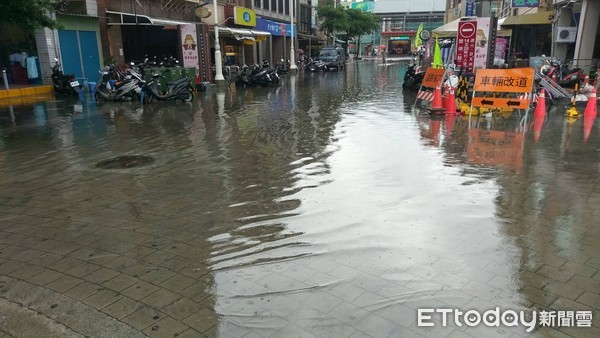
(279, 46)
(398, 42)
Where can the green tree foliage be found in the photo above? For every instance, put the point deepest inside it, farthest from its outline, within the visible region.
(27, 14)
(350, 23)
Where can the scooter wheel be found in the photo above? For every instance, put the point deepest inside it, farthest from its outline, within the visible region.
(98, 97)
(187, 97)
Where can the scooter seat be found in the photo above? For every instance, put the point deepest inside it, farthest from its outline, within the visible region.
(176, 82)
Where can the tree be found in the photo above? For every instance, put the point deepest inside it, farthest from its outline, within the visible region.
(351, 23)
(361, 23)
(28, 14)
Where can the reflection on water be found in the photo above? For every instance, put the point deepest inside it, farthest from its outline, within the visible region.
(328, 206)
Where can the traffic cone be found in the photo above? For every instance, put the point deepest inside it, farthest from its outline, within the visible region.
(592, 105)
(540, 108)
(450, 123)
(451, 103)
(588, 123)
(538, 122)
(436, 104)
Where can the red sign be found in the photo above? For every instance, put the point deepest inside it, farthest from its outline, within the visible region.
(465, 46)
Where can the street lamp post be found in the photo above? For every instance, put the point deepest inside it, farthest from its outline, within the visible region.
(218, 62)
(293, 66)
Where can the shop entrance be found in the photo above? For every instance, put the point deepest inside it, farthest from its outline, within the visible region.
(139, 41)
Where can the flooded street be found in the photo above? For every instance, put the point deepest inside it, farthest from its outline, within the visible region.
(327, 207)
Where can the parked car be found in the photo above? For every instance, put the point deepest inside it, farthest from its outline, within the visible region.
(333, 57)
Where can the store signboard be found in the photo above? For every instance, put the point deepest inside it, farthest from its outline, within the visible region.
(274, 27)
(470, 8)
(365, 6)
(482, 39)
(525, 3)
(244, 17)
(189, 46)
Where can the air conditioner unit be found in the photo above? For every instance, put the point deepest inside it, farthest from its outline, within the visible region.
(566, 34)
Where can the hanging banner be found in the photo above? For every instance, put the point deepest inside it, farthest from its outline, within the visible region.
(189, 46)
(465, 44)
(501, 46)
(274, 27)
(482, 39)
(470, 8)
(525, 3)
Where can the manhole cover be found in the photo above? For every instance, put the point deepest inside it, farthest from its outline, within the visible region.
(125, 162)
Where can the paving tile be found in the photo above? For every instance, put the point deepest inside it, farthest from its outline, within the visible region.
(102, 298)
(83, 270)
(182, 308)
(120, 282)
(101, 275)
(140, 290)
(145, 317)
(178, 283)
(202, 321)
(169, 327)
(160, 299)
(26, 271)
(64, 283)
(122, 308)
(46, 277)
(83, 291)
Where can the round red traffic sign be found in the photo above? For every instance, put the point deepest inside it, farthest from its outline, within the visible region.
(466, 29)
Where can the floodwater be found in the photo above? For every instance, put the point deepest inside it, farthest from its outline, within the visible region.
(326, 207)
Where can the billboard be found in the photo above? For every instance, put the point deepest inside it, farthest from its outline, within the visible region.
(365, 6)
(189, 46)
(525, 3)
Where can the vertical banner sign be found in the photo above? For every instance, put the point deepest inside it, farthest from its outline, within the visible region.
(465, 46)
(482, 41)
(470, 8)
(204, 53)
(189, 46)
(491, 44)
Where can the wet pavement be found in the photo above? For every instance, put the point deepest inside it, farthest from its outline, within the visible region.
(328, 207)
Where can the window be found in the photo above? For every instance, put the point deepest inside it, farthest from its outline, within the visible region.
(280, 7)
(256, 3)
(265, 4)
(287, 7)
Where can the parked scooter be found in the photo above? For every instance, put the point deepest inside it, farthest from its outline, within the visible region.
(128, 89)
(412, 78)
(565, 76)
(64, 84)
(181, 89)
(313, 65)
(257, 76)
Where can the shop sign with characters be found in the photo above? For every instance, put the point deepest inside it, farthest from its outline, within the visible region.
(244, 16)
(188, 46)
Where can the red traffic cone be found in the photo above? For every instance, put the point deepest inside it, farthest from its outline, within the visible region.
(436, 104)
(538, 122)
(540, 107)
(588, 123)
(450, 123)
(592, 105)
(451, 103)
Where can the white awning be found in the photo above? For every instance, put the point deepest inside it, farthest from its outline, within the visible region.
(242, 32)
(449, 30)
(136, 19)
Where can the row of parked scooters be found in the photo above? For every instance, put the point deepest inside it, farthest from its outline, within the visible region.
(118, 84)
(133, 86)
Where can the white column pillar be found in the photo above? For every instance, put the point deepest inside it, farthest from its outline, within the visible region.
(293, 66)
(218, 58)
(586, 34)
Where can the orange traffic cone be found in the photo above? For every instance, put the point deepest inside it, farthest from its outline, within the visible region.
(592, 105)
(451, 103)
(436, 104)
(540, 107)
(588, 123)
(538, 122)
(450, 123)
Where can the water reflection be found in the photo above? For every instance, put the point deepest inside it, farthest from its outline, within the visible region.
(328, 206)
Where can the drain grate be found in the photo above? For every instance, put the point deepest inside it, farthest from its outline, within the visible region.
(125, 162)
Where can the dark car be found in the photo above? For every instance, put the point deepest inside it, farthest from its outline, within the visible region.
(333, 57)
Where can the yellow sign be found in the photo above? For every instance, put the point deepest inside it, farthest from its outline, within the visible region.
(244, 16)
(500, 102)
(516, 80)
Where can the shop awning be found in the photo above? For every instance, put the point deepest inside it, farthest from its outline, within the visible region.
(121, 18)
(449, 30)
(541, 18)
(240, 32)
